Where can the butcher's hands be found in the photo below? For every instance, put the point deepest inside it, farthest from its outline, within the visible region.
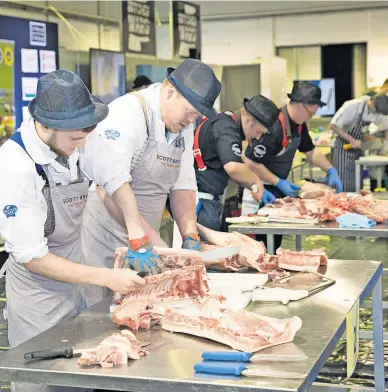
(356, 143)
(141, 257)
(191, 241)
(288, 188)
(333, 180)
(123, 280)
(257, 191)
(268, 197)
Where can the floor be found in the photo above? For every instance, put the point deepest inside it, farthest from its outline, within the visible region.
(337, 248)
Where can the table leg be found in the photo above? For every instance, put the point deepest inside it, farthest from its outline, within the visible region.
(298, 243)
(378, 342)
(358, 178)
(271, 244)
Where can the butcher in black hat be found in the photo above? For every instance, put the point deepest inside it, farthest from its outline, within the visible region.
(218, 151)
(271, 157)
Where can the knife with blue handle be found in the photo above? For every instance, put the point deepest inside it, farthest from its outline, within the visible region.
(249, 357)
(241, 369)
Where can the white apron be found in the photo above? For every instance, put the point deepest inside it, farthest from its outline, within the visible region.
(153, 175)
(36, 303)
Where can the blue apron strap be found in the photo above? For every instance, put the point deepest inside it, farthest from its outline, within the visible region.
(17, 138)
(199, 206)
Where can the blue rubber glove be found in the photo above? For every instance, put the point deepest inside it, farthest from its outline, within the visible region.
(288, 188)
(191, 241)
(267, 197)
(333, 180)
(143, 259)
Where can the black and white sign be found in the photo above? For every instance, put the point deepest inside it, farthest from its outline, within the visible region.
(139, 27)
(187, 29)
(38, 35)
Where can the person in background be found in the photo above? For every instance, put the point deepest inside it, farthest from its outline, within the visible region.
(153, 130)
(140, 82)
(271, 157)
(50, 161)
(350, 123)
(218, 155)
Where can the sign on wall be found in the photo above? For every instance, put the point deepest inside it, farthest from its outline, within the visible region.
(7, 96)
(35, 53)
(186, 30)
(139, 27)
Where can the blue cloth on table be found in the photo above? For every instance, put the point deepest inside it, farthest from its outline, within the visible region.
(355, 221)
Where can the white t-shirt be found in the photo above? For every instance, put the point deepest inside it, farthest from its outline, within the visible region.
(125, 130)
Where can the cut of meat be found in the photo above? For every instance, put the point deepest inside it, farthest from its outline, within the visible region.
(241, 330)
(377, 210)
(313, 190)
(113, 350)
(234, 263)
(181, 283)
(301, 261)
(136, 314)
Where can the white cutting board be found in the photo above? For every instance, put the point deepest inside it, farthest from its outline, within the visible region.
(230, 285)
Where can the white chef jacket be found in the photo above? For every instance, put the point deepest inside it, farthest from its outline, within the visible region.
(347, 116)
(21, 186)
(126, 131)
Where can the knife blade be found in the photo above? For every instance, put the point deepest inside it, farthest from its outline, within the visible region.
(238, 356)
(220, 253)
(66, 352)
(241, 369)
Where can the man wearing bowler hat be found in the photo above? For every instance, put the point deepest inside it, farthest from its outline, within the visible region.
(153, 129)
(218, 155)
(271, 157)
(49, 162)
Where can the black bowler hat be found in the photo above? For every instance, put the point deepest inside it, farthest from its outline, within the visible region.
(262, 109)
(306, 92)
(381, 103)
(63, 102)
(197, 83)
(141, 81)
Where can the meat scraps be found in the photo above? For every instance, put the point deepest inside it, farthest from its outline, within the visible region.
(241, 330)
(301, 261)
(190, 282)
(113, 350)
(331, 206)
(313, 190)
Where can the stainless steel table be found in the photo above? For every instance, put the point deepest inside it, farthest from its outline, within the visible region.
(169, 366)
(327, 228)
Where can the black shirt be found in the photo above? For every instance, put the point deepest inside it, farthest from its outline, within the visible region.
(270, 144)
(220, 141)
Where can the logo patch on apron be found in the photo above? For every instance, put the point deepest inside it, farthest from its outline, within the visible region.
(167, 161)
(259, 151)
(236, 149)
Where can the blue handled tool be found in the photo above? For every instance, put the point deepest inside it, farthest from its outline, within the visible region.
(249, 357)
(241, 369)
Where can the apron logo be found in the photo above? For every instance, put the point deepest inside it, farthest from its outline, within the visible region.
(75, 201)
(10, 211)
(236, 149)
(167, 161)
(259, 151)
(113, 135)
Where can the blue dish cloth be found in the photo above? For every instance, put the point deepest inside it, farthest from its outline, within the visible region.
(355, 221)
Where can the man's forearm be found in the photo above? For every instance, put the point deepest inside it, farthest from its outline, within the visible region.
(240, 173)
(341, 133)
(183, 210)
(262, 172)
(318, 159)
(59, 268)
(117, 214)
(125, 199)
